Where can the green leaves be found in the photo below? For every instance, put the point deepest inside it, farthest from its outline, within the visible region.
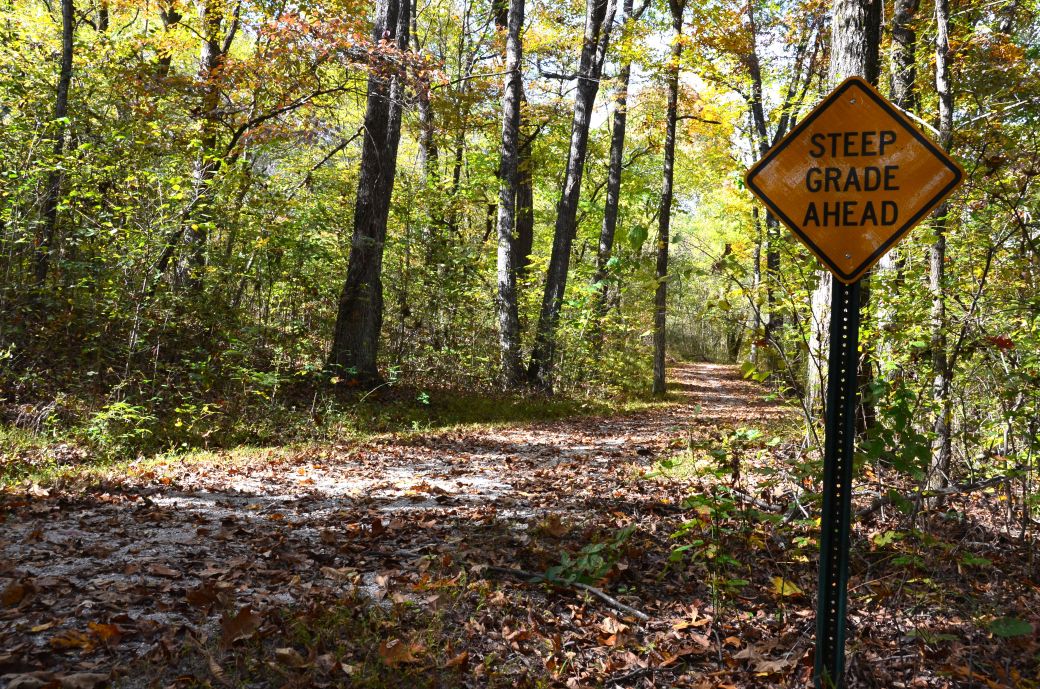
(1010, 627)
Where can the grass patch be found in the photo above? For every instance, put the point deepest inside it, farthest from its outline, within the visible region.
(83, 454)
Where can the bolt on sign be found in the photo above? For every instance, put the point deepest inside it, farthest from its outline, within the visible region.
(853, 178)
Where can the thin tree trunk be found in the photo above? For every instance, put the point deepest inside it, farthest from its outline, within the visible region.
(756, 284)
(169, 16)
(428, 153)
(524, 225)
(508, 320)
(903, 92)
(359, 316)
(942, 446)
(190, 266)
(610, 208)
(599, 16)
(664, 217)
(904, 54)
(192, 230)
(56, 179)
(102, 17)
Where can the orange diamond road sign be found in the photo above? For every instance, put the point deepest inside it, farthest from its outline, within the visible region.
(853, 178)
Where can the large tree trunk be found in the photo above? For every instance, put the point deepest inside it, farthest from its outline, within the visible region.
(56, 179)
(599, 16)
(855, 51)
(942, 450)
(359, 318)
(508, 320)
(610, 208)
(664, 216)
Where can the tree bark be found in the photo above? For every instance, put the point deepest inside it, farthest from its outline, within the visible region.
(942, 446)
(855, 51)
(508, 320)
(169, 16)
(610, 208)
(359, 317)
(599, 15)
(191, 264)
(795, 92)
(524, 232)
(55, 180)
(904, 54)
(664, 216)
(903, 92)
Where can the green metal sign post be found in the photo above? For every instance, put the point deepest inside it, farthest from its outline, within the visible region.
(842, 395)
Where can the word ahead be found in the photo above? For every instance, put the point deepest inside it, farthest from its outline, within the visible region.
(853, 178)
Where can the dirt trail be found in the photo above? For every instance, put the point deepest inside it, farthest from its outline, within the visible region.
(95, 581)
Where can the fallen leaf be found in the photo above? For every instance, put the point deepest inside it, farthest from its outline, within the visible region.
(15, 593)
(241, 626)
(785, 587)
(554, 526)
(42, 627)
(458, 661)
(108, 633)
(290, 657)
(83, 680)
(394, 652)
(202, 597)
(71, 639)
(32, 680)
(161, 570)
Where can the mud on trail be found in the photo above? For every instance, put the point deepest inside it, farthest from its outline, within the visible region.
(412, 556)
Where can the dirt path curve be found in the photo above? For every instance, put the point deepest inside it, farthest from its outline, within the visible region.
(92, 582)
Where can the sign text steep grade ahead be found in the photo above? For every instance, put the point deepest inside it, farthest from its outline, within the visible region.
(852, 178)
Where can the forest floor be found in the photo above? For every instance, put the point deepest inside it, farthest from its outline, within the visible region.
(664, 548)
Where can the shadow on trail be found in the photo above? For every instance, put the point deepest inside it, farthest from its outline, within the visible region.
(387, 521)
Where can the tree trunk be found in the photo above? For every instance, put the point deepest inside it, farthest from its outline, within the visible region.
(855, 51)
(190, 266)
(942, 450)
(610, 208)
(903, 92)
(508, 320)
(756, 284)
(169, 16)
(102, 17)
(359, 316)
(664, 216)
(56, 179)
(524, 232)
(599, 16)
(904, 56)
(192, 228)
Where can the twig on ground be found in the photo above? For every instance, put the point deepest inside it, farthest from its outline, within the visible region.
(599, 593)
(629, 676)
(961, 489)
(755, 502)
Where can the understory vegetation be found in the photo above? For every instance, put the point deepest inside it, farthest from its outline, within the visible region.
(441, 343)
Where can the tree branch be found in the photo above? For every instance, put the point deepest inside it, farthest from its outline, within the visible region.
(609, 600)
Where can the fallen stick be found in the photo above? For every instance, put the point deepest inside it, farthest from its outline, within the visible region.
(599, 593)
(893, 496)
(755, 502)
(628, 677)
